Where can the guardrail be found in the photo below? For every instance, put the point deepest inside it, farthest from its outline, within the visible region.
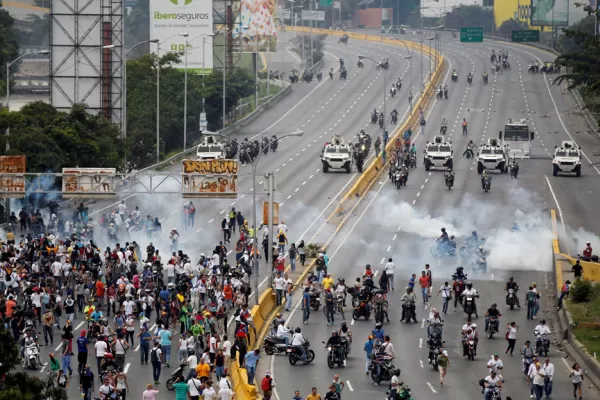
(262, 313)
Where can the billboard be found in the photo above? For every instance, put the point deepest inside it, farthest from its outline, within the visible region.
(257, 25)
(209, 178)
(313, 15)
(88, 182)
(170, 18)
(12, 186)
(549, 12)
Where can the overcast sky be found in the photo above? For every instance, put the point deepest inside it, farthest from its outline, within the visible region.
(449, 4)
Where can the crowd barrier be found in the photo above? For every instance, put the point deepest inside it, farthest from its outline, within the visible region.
(262, 313)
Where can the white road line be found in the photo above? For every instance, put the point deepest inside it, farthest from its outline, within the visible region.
(431, 387)
(395, 236)
(352, 321)
(59, 346)
(126, 368)
(349, 386)
(161, 220)
(229, 252)
(382, 260)
(44, 367)
(422, 325)
(420, 343)
(174, 211)
(199, 230)
(80, 325)
(211, 220)
(222, 211)
(137, 348)
(389, 247)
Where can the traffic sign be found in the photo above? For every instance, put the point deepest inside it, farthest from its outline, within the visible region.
(471, 35)
(325, 3)
(203, 122)
(526, 36)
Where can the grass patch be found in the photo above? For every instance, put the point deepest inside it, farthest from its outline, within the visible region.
(588, 312)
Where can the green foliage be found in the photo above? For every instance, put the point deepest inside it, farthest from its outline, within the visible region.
(52, 140)
(567, 43)
(9, 49)
(141, 104)
(581, 291)
(511, 25)
(137, 28)
(317, 46)
(312, 250)
(38, 37)
(465, 16)
(20, 386)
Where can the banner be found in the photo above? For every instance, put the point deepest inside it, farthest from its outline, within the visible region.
(170, 18)
(209, 179)
(88, 182)
(12, 186)
(549, 12)
(257, 25)
(313, 15)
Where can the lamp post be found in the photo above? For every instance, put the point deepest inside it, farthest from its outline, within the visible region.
(108, 46)
(385, 72)
(8, 65)
(185, 79)
(409, 58)
(158, 92)
(124, 117)
(254, 222)
(225, 33)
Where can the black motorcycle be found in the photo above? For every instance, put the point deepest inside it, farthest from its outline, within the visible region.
(394, 119)
(469, 305)
(315, 301)
(409, 312)
(274, 345)
(294, 356)
(381, 370)
(265, 145)
(449, 182)
(511, 298)
(361, 310)
(485, 79)
(469, 80)
(487, 184)
(440, 94)
(343, 74)
(542, 345)
(454, 78)
(398, 85)
(374, 118)
(176, 376)
(493, 325)
(514, 171)
(381, 122)
(333, 356)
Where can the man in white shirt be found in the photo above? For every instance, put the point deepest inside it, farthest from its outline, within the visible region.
(213, 347)
(224, 383)
(57, 272)
(216, 259)
(170, 273)
(283, 333)
(282, 227)
(101, 348)
(491, 381)
(495, 365)
(389, 271)
(548, 369)
(106, 389)
(194, 385)
(226, 394)
(209, 392)
(298, 342)
(279, 285)
(122, 208)
(226, 349)
(542, 328)
(192, 363)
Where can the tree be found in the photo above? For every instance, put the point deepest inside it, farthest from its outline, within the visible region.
(141, 104)
(567, 44)
(511, 25)
(581, 59)
(9, 49)
(38, 36)
(20, 386)
(53, 140)
(472, 15)
(137, 28)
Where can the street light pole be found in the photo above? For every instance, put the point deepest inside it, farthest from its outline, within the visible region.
(76, 94)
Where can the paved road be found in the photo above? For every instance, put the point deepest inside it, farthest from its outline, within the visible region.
(402, 225)
(304, 192)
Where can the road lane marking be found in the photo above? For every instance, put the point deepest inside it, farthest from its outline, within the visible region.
(211, 220)
(59, 346)
(420, 343)
(349, 386)
(199, 230)
(431, 387)
(80, 325)
(126, 368)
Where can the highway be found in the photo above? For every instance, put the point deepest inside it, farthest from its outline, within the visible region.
(403, 224)
(305, 194)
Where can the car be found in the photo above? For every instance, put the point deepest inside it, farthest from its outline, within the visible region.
(566, 159)
(438, 154)
(336, 155)
(493, 157)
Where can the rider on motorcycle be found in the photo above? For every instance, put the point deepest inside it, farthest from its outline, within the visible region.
(485, 175)
(284, 334)
(454, 73)
(587, 252)
(460, 274)
(409, 299)
(345, 335)
(469, 149)
(444, 236)
(452, 245)
(470, 75)
(449, 175)
(511, 284)
(413, 149)
(335, 342)
(490, 382)
(378, 332)
(492, 312)
(443, 125)
(298, 343)
(469, 291)
(542, 328)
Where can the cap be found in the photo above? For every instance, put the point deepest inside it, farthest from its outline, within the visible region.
(268, 373)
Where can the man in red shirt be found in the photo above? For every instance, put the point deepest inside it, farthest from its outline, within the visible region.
(424, 283)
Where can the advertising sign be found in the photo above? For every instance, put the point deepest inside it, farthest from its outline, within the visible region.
(210, 178)
(549, 12)
(284, 14)
(12, 186)
(258, 25)
(170, 18)
(88, 182)
(265, 220)
(313, 15)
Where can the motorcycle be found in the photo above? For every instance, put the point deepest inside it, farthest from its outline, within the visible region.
(440, 94)
(315, 301)
(374, 118)
(361, 310)
(403, 393)
(394, 119)
(485, 79)
(471, 349)
(381, 370)
(360, 64)
(265, 145)
(531, 69)
(319, 76)
(469, 248)
(274, 345)
(469, 306)
(492, 327)
(294, 356)
(381, 122)
(511, 298)
(487, 184)
(505, 64)
(442, 249)
(449, 182)
(469, 80)
(443, 129)
(32, 356)
(409, 311)
(399, 178)
(343, 74)
(454, 77)
(398, 84)
(514, 171)
(176, 376)
(380, 307)
(542, 344)
(495, 393)
(392, 91)
(480, 265)
(333, 358)
(412, 161)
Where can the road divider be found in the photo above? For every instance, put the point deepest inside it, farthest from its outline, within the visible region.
(263, 313)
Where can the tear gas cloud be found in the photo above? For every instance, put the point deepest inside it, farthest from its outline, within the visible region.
(529, 249)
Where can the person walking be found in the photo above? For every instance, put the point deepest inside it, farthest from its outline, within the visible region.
(548, 368)
(65, 355)
(82, 351)
(251, 360)
(537, 381)
(511, 337)
(145, 339)
(305, 305)
(48, 326)
(443, 364)
(369, 351)
(150, 393)
(338, 384)
(576, 376)
(156, 357)
(302, 252)
(446, 292)
(267, 386)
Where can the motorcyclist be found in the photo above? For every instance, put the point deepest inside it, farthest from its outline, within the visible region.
(452, 245)
(480, 252)
(378, 332)
(345, 335)
(542, 328)
(284, 334)
(470, 76)
(587, 252)
(490, 382)
(444, 124)
(298, 343)
(444, 236)
(413, 149)
(434, 332)
(528, 356)
(515, 166)
(108, 364)
(460, 274)
(469, 149)
(492, 312)
(485, 175)
(335, 342)
(473, 240)
(449, 175)
(515, 227)
(434, 318)
(393, 88)
(469, 291)
(409, 299)
(454, 74)
(511, 284)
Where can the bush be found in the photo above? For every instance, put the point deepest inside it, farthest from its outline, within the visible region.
(581, 291)
(313, 250)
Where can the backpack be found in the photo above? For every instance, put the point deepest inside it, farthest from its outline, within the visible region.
(153, 355)
(530, 298)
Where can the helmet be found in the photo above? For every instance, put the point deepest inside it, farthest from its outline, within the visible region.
(171, 285)
(474, 233)
(494, 305)
(344, 323)
(298, 330)
(511, 279)
(481, 248)
(470, 285)
(443, 229)
(191, 351)
(452, 237)
(378, 325)
(449, 169)
(543, 322)
(473, 326)
(334, 333)
(108, 356)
